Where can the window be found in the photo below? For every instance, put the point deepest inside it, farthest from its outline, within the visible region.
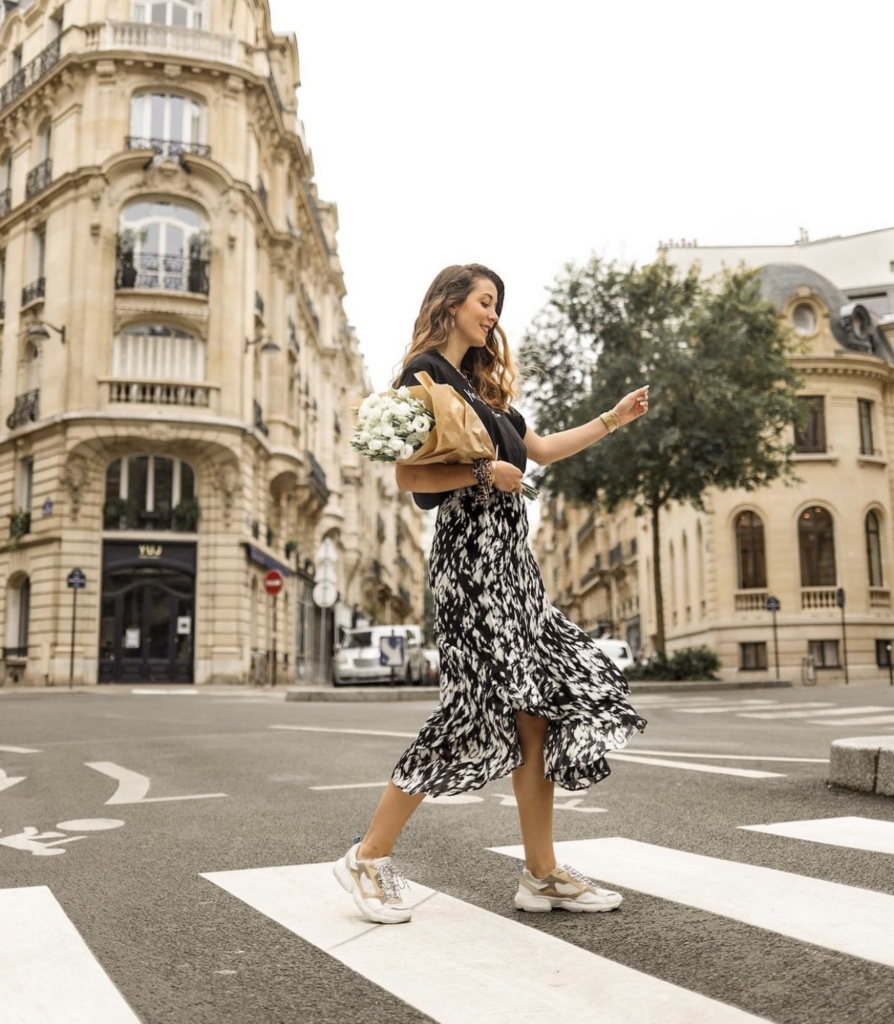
(750, 551)
(753, 656)
(2, 284)
(883, 653)
(161, 117)
(804, 319)
(15, 61)
(163, 245)
(816, 543)
(824, 653)
(810, 434)
(874, 550)
(24, 483)
(6, 183)
(864, 413)
(150, 492)
(38, 252)
(178, 13)
(156, 353)
(18, 603)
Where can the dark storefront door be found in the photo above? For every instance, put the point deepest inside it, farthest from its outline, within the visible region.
(148, 625)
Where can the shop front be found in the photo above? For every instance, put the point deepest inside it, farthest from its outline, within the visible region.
(147, 625)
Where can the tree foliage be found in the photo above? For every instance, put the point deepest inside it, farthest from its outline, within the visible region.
(722, 393)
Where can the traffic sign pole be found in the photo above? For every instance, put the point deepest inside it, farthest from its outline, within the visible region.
(773, 607)
(75, 581)
(274, 581)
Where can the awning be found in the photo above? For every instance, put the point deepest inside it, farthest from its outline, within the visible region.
(262, 558)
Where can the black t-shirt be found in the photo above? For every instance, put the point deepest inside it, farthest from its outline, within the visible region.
(506, 429)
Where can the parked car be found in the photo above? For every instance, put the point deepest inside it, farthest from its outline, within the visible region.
(358, 657)
(618, 650)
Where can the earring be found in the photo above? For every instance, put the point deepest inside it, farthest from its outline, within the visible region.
(452, 321)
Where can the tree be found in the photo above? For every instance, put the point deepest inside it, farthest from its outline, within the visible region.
(722, 393)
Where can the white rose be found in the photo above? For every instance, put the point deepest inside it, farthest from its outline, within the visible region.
(395, 444)
(403, 392)
(386, 430)
(406, 451)
(419, 424)
(402, 409)
(376, 445)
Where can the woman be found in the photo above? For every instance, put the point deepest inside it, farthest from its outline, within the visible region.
(523, 690)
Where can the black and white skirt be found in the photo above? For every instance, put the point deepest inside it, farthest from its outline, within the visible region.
(505, 649)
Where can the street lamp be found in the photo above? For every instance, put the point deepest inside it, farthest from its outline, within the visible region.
(40, 331)
(268, 346)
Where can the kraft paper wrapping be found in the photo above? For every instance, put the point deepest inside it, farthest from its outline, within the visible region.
(458, 434)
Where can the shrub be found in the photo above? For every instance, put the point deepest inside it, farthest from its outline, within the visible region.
(688, 663)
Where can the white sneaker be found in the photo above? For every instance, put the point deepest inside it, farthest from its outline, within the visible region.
(375, 886)
(563, 888)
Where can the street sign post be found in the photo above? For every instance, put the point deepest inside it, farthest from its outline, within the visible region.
(75, 581)
(274, 581)
(839, 600)
(773, 605)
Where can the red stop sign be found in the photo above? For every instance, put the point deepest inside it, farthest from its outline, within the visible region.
(273, 581)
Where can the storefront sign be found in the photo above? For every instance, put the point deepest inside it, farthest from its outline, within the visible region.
(184, 625)
(132, 639)
(151, 551)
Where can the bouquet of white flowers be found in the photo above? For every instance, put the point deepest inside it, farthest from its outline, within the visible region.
(391, 426)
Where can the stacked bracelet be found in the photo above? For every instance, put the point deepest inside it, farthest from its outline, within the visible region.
(483, 471)
(611, 420)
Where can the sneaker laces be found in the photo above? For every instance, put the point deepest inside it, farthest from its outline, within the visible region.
(578, 876)
(392, 880)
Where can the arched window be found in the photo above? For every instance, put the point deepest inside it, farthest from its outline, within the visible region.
(167, 122)
(178, 13)
(5, 183)
(150, 492)
(18, 604)
(163, 245)
(40, 176)
(750, 551)
(816, 543)
(153, 352)
(874, 550)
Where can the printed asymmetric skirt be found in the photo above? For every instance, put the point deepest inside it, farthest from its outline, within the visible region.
(504, 648)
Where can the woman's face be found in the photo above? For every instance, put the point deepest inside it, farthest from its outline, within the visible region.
(477, 316)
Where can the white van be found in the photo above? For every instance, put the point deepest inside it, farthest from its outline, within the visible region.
(617, 650)
(358, 657)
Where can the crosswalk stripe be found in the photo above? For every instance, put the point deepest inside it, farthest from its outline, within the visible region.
(839, 917)
(344, 732)
(823, 713)
(47, 973)
(739, 709)
(18, 750)
(477, 967)
(854, 833)
(730, 757)
(875, 720)
(710, 769)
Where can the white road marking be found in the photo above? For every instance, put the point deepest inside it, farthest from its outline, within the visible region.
(345, 732)
(47, 973)
(18, 750)
(165, 693)
(730, 757)
(492, 955)
(710, 769)
(7, 782)
(133, 787)
(878, 720)
(855, 833)
(813, 714)
(840, 917)
(737, 709)
(350, 785)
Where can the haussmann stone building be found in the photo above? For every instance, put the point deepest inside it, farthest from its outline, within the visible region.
(177, 370)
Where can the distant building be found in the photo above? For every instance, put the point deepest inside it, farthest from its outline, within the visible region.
(808, 545)
(177, 371)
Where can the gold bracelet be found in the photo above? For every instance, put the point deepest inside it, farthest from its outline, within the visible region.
(611, 420)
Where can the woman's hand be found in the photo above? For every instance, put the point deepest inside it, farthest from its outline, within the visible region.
(506, 477)
(632, 406)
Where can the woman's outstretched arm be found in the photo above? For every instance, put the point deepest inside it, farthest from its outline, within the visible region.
(554, 447)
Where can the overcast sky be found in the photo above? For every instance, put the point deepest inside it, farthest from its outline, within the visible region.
(523, 135)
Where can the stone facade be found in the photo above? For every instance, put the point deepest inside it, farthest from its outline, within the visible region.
(177, 369)
(806, 544)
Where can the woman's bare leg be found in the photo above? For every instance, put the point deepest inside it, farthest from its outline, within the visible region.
(534, 796)
(391, 815)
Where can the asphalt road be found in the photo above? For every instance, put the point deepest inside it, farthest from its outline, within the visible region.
(129, 784)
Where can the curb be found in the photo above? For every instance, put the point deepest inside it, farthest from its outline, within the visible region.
(865, 763)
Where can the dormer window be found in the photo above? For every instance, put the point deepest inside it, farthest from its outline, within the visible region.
(804, 319)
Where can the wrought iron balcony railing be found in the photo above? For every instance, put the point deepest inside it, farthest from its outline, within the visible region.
(274, 88)
(38, 178)
(2, 309)
(163, 272)
(36, 290)
(168, 147)
(15, 653)
(20, 524)
(317, 477)
(32, 72)
(5, 201)
(259, 423)
(26, 410)
(126, 392)
(263, 195)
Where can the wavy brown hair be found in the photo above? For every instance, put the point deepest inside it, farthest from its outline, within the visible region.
(491, 370)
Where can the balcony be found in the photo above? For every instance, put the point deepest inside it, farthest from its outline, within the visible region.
(12, 655)
(316, 478)
(751, 600)
(25, 411)
(19, 524)
(5, 201)
(32, 72)
(879, 597)
(274, 88)
(38, 178)
(259, 423)
(318, 220)
(170, 149)
(813, 598)
(2, 310)
(34, 291)
(259, 306)
(263, 195)
(188, 396)
(161, 272)
(125, 514)
(309, 306)
(134, 35)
